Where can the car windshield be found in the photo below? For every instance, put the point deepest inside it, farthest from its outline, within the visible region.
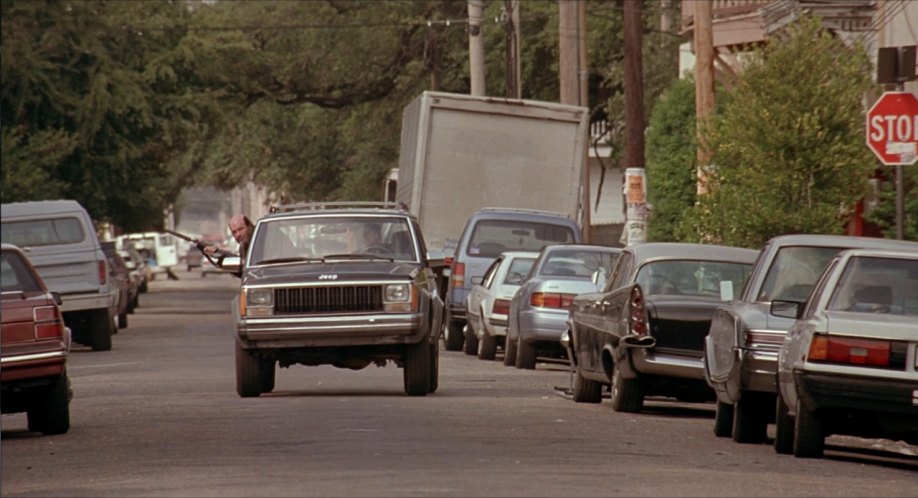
(877, 285)
(316, 237)
(794, 271)
(693, 278)
(492, 237)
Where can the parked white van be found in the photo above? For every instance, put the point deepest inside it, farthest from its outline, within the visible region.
(160, 249)
(60, 240)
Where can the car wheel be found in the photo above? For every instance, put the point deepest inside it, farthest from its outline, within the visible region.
(471, 340)
(101, 329)
(123, 320)
(723, 420)
(417, 369)
(434, 367)
(143, 287)
(586, 390)
(454, 336)
(268, 371)
(248, 373)
(626, 393)
(525, 354)
(749, 418)
(51, 413)
(487, 347)
(809, 440)
(509, 351)
(784, 428)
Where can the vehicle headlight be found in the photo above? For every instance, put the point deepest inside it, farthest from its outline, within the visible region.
(401, 298)
(258, 302)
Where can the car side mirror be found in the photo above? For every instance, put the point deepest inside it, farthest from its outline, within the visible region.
(476, 280)
(231, 264)
(786, 309)
(56, 296)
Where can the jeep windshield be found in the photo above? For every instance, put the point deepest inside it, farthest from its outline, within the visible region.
(320, 238)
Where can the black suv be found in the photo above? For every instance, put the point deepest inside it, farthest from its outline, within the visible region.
(343, 284)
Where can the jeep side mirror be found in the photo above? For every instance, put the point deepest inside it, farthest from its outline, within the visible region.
(231, 264)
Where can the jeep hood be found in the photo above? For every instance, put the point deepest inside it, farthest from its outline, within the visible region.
(331, 272)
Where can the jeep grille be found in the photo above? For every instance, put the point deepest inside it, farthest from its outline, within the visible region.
(338, 299)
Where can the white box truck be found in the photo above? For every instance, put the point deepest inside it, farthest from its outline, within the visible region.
(460, 153)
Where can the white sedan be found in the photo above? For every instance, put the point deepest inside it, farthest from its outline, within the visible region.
(849, 364)
(489, 301)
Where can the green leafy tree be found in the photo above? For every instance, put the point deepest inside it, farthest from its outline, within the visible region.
(884, 213)
(671, 160)
(76, 77)
(788, 146)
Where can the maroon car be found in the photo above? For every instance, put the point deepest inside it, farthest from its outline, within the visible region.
(35, 343)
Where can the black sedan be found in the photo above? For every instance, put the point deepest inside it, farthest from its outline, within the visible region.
(644, 333)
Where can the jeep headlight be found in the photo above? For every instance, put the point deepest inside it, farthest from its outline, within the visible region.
(258, 302)
(400, 298)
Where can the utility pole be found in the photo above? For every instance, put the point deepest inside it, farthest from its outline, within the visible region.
(476, 48)
(511, 20)
(704, 85)
(584, 101)
(567, 51)
(433, 60)
(635, 178)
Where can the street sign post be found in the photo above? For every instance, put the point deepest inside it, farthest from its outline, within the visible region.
(892, 128)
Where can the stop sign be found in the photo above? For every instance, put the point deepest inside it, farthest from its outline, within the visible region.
(892, 128)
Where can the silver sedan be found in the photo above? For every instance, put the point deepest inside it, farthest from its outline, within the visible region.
(539, 310)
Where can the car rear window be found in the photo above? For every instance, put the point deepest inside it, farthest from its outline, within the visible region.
(492, 237)
(518, 270)
(577, 262)
(15, 275)
(49, 232)
(794, 272)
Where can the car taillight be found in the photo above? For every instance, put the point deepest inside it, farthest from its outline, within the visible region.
(637, 319)
(552, 300)
(854, 351)
(48, 322)
(500, 307)
(103, 272)
(457, 274)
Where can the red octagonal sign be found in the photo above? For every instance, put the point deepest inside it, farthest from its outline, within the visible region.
(892, 128)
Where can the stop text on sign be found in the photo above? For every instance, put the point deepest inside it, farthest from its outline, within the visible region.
(894, 128)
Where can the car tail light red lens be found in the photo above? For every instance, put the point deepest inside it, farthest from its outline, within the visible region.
(856, 351)
(501, 307)
(457, 274)
(638, 314)
(103, 272)
(552, 300)
(48, 322)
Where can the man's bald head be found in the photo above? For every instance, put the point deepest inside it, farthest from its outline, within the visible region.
(240, 226)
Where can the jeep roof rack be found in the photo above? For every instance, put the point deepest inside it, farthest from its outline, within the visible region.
(315, 206)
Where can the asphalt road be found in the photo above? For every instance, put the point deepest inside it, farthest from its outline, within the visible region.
(158, 415)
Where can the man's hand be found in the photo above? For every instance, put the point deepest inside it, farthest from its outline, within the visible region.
(209, 250)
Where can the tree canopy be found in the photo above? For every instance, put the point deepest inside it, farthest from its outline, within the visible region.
(788, 148)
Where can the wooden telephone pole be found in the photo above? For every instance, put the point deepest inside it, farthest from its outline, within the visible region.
(704, 85)
(476, 48)
(574, 79)
(635, 178)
